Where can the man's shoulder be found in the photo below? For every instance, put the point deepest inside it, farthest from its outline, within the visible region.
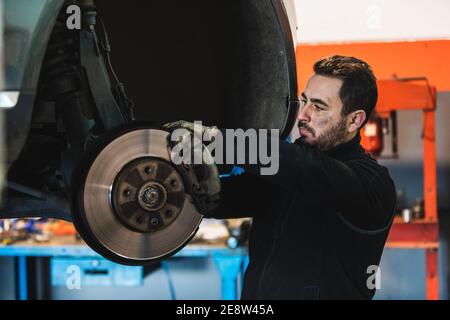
(366, 161)
(373, 175)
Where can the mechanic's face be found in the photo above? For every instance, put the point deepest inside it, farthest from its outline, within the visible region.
(320, 119)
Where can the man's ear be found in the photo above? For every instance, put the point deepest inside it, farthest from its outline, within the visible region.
(356, 120)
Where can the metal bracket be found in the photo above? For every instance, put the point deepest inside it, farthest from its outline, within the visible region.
(91, 59)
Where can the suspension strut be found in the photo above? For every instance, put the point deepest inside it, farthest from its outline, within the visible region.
(62, 81)
(77, 74)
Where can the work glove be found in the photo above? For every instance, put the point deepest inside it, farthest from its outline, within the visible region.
(198, 130)
(204, 178)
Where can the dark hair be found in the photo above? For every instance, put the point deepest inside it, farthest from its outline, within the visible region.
(359, 87)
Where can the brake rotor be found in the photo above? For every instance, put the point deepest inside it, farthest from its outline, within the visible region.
(130, 203)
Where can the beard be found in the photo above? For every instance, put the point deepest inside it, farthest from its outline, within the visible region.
(331, 137)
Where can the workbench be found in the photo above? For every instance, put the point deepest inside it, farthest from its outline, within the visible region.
(231, 263)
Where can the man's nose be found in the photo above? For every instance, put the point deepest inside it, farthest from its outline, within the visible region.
(305, 113)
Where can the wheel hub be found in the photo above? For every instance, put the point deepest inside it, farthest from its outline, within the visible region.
(148, 194)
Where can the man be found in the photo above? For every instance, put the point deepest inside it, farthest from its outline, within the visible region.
(320, 224)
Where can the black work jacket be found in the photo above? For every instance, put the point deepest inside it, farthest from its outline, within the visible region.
(319, 225)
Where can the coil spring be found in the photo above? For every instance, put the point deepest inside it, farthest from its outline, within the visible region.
(60, 72)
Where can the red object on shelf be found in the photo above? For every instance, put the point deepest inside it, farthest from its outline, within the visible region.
(395, 95)
(372, 136)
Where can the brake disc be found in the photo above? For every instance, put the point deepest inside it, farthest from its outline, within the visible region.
(130, 203)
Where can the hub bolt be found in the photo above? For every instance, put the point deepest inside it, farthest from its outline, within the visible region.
(154, 221)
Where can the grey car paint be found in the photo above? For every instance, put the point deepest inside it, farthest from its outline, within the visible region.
(27, 28)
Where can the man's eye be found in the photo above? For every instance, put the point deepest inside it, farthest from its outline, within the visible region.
(303, 101)
(318, 108)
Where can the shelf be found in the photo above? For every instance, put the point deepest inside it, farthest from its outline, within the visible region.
(419, 234)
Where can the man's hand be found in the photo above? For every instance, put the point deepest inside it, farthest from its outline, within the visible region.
(198, 130)
(205, 179)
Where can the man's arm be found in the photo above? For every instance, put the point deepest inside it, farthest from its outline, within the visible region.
(241, 196)
(360, 190)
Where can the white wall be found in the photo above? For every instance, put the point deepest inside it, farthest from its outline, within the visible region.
(372, 20)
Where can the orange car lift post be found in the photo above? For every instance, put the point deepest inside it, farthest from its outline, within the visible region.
(424, 233)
